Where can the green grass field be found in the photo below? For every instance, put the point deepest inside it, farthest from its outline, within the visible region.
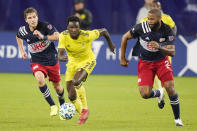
(114, 103)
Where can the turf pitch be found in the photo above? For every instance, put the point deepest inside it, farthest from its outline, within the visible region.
(114, 103)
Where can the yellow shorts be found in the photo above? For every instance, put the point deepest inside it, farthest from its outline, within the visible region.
(72, 68)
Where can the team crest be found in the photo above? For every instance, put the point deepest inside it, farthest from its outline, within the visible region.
(83, 44)
(171, 38)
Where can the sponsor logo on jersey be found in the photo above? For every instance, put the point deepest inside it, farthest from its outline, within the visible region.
(38, 46)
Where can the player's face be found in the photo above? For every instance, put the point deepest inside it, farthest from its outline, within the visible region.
(74, 29)
(79, 6)
(153, 21)
(32, 19)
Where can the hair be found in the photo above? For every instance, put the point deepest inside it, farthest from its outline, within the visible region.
(30, 10)
(156, 12)
(72, 19)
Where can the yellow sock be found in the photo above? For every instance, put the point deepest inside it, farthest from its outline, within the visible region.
(82, 95)
(157, 83)
(77, 104)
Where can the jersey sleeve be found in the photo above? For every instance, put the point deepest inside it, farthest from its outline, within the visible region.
(50, 29)
(94, 34)
(19, 34)
(169, 37)
(135, 31)
(62, 41)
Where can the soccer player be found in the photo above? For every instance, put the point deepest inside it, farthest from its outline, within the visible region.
(39, 37)
(81, 61)
(166, 19)
(156, 44)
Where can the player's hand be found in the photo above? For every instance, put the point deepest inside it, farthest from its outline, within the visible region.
(124, 62)
(112, 48)
(24, 55)
(38, 34)
(153, 45)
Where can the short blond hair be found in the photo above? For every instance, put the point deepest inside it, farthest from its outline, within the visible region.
(30, 10)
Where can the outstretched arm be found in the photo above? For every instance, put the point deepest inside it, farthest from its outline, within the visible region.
(125, 38)
(61, 56)
(105, 33)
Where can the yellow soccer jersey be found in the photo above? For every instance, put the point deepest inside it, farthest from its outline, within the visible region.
(166, 20)
(79, 49)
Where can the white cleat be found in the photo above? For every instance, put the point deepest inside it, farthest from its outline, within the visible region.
(178, 122)
(161, 102)
(54, 110)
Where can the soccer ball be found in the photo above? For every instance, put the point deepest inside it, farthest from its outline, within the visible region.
(67, 111)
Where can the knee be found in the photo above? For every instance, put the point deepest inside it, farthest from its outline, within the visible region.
(41, 82)
(76, 82)
(145, 92)
(56, 86)
(170, 88)
(145, 95)
(72, 97)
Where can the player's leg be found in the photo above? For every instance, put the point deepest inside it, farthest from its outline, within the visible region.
(174, 101)
(145, 80)
(165, 74)
(54, 76)
(72, 95)
(60, 92)
(40, 77)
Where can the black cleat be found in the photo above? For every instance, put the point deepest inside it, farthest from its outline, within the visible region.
(161, 104)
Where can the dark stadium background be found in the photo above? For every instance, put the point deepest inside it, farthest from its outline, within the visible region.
(116, 15)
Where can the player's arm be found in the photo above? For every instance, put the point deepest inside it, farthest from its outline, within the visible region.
(167, 49)
(53, 37)
(105, 33)
(125, 38)
(20, 45)
(61, 55)
(174, 29)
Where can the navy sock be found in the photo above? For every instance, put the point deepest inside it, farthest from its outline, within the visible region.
(154, 93)
(174, 101)
(47, 95)
(61, 97)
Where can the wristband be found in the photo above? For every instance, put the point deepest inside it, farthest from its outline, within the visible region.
(160, 47)
(45, 37)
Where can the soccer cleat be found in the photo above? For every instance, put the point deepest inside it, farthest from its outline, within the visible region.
(54, 110)
(161, 101)
(178, 122)
(83, 117)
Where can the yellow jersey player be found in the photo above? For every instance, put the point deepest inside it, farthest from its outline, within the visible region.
(166, 19)
(81, 61)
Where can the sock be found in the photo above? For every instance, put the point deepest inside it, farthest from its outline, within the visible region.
(78, 105)
(154, 93)
(82, 95)
(47, 95)
(61, 97)
(157, 83)
(174, 101)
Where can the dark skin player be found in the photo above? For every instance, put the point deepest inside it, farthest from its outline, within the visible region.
(81, 75)
(154, 21)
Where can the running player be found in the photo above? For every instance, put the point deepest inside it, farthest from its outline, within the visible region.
(156, 43)
(81, 61)
(166, 19)
(39, 37)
